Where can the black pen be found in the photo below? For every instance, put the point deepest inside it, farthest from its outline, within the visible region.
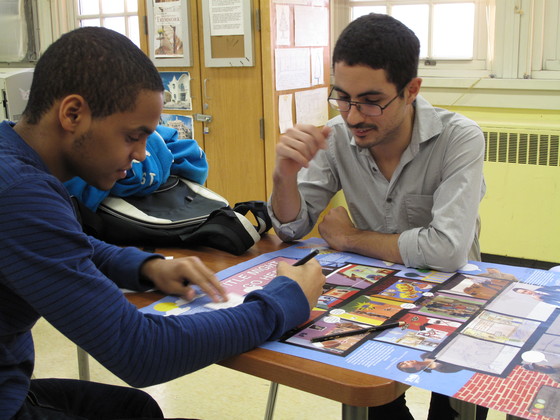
(356, 332)
(307, 257)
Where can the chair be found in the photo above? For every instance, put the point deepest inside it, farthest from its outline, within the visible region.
(83, 364)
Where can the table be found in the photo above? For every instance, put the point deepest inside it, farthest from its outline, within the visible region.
(356, 391)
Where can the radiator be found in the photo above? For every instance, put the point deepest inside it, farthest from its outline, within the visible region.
(520, 212)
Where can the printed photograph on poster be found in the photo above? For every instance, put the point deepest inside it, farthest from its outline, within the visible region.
(177, 90)
(518, 300)
(182, 123)
(500, 328)
(424, 323)
(327, 326)
(427, 339)
(168, 29)
(457, 308)
(358, 276)
(405, 290)
(425, 275)
(368, 310)
(476, 286)
(333, 295)
(169, 33)
(544, 356)
(478, 355)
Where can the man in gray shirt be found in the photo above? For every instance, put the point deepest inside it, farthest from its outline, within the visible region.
(411, 173)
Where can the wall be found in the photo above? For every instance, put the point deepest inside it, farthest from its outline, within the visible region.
(520, 210)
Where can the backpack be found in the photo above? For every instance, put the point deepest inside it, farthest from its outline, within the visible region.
(179, 213)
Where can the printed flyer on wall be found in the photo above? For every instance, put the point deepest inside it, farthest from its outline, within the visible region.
(488, 334)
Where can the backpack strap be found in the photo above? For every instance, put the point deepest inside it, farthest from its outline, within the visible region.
(91, 223)
(259, 211)
(224, 229)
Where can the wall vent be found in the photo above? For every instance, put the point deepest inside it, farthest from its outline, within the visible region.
(522, 147)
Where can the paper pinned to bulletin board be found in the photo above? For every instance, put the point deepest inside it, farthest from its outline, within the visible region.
(228, 36)
(300, 41)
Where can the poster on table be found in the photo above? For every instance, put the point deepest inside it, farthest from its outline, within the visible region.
(488, 334)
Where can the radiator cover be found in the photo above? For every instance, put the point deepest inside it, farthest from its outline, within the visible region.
(520, 212)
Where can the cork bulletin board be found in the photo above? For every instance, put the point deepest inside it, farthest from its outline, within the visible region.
(228, 36)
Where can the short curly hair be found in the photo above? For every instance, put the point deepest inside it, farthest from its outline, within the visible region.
(380, 42)
(106, 68)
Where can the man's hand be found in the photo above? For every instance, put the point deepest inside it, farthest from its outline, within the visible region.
(309, 276)
(336, 227)
(298, 146)
(341, 234)
(175, 276)
(294, 151)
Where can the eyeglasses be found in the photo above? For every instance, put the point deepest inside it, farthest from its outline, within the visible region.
(370, 110)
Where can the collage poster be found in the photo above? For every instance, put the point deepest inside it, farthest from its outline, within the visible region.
(488, 334)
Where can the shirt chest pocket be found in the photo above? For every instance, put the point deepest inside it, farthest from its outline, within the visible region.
(418, 210)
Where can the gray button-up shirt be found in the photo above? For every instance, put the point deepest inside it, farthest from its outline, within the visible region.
(432, 198)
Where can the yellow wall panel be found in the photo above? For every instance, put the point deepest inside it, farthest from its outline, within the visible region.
(520, 212)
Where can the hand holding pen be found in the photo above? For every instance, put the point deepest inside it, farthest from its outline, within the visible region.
(307, 258)
(308, 273)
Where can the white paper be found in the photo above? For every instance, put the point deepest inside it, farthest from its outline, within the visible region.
(312, 106)
(285, 113)
(226, 17)
(233, 300)
(311, 26)
(283, 25)
(291, 1)
(293, 68)
(317, 67)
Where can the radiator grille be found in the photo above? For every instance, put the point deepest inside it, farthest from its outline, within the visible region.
(522, 147)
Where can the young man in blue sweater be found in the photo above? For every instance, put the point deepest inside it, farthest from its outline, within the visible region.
(94, 100)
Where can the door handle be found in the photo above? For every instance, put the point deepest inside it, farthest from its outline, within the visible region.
(205, 118)
(205, 89)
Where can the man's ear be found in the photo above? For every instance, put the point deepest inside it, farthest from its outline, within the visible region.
(413, 89)
(73, 112)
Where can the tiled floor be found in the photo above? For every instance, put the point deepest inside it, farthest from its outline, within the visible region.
(213, 393)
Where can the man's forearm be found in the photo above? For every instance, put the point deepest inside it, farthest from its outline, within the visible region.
(383, 246)
(285, 199)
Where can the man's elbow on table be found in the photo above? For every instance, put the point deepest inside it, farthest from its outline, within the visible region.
(444, 255)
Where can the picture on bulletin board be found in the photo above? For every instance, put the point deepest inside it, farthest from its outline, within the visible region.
(182, 123)
(168, 27)
(177, 90)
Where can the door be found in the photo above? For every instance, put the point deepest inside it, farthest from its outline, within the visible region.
(234, 144)
(233, 97)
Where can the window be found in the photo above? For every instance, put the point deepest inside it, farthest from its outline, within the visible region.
(119, 15)
(501, 39)
(449, 41)
(545, 58)
(20, 44)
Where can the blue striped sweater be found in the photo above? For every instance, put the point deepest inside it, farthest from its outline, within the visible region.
(50, 269)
